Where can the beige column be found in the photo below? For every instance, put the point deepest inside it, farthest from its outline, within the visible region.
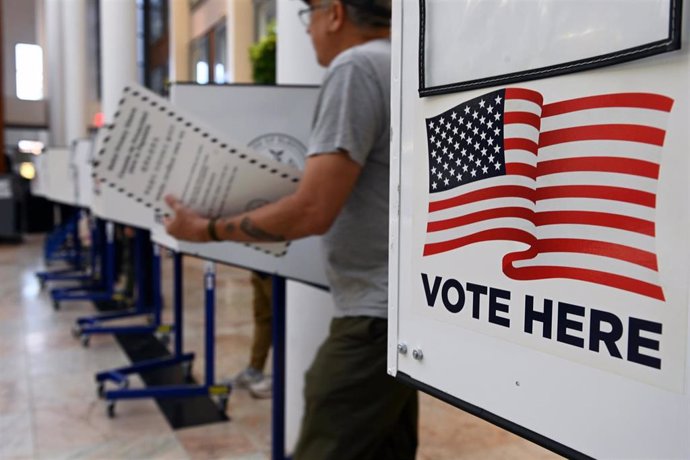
(118, 51)
(180, 23)
(74, 68)
(240, 30)
(53, 65)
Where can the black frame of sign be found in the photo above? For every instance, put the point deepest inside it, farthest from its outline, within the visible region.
(670, 43)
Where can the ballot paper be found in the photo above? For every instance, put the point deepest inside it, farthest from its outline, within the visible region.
(153, 149)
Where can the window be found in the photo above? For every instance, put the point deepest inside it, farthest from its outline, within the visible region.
(208, 56)
(199, 57)
(29, 66)
(219, 53)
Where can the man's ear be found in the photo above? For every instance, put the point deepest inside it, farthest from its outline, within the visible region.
(336, 16)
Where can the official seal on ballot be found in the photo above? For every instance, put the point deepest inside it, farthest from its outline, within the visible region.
(281, 147)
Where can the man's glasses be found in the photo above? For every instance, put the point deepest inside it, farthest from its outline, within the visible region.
(305, 13)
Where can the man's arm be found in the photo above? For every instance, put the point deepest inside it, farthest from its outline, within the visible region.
(326, 184)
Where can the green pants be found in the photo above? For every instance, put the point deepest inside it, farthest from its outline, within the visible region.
(353, 408)
(263, 316)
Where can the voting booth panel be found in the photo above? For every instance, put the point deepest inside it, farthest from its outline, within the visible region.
(81, 154)
(108, 203)
(275, 121)
(61, 183)
(38, 184)
(539, 256)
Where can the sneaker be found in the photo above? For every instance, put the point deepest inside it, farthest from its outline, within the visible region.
(262, 389)
(247, 377)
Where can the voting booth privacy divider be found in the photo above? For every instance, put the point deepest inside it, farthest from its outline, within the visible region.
(275, 122)
(540, 217)
(182, 147)
(65, 175)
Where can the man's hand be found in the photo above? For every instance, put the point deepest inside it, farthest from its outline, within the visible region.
(185, 224)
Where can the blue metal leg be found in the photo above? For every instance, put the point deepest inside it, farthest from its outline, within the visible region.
(100, 292)
(118, 376)
(54, 250)
(278, 407)
(93, 325)
(210, 301)
(177, 301)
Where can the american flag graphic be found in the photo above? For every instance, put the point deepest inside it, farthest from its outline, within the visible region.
(575, 180)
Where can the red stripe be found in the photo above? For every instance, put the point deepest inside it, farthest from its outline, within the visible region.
(495, 234)
(522, 169)
(501, 191)
(526, 94)
(621, 194)
(524, 118)
(599, 219)
(592, 276)
(517, 143)
(599, 164)
(612, 132)
(479, 216)
(633, 100)
(599, 248)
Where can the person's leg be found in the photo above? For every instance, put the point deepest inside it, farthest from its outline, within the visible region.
(262, 336)
(353, 408)
(263, 316)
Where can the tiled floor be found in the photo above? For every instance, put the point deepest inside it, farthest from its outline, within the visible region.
(49, 408)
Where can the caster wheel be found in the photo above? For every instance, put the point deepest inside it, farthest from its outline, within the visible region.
(187, 370)
(85, 341)
(101, 389)
(222, 403)
(111, 409)
(164, 339)
(76, 331)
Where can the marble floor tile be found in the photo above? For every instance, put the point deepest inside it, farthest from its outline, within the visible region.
(16, 436)
(65, 427)
(216, 441)
(95, 358)
(161, 447)
(14, 396)
(13, 366)
(64, 388)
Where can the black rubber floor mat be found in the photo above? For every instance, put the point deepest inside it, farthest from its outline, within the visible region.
(181, 412)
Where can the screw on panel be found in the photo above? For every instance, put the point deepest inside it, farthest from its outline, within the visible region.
(402, 348)
(417, 354)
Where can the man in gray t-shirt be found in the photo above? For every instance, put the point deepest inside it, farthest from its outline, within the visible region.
(353, 116)
(353, 409)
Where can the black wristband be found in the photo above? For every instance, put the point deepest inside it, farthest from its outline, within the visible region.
(212, 229)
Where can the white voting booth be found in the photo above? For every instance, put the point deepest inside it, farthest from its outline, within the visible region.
(539, 218)
(58, 181)
(39, 182)
(275, 121)
(82, 152)
(109, 203)
(262, 128)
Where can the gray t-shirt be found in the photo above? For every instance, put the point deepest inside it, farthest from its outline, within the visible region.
(353, 115)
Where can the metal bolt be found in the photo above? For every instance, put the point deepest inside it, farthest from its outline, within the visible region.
(417, 354)
(402, 348)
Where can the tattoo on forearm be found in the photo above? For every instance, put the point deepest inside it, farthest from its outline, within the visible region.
(229, 228)
(250, 229)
